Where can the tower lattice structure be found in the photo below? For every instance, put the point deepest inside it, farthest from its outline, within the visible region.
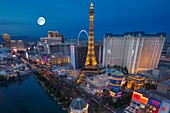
(91, 58)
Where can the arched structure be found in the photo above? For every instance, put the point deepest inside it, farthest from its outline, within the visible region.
(79, 105)
(80, 34)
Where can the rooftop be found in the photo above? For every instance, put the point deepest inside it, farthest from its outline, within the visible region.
(166, 82)
(136, 34)
(78, 104)
(158, 95)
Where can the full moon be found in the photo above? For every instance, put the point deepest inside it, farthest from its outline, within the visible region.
(41, 21)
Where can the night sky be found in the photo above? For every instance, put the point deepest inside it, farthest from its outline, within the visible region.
(19, 17)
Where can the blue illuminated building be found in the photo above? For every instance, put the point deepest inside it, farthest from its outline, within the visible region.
(116, 81)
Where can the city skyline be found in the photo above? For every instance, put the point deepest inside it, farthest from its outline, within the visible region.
(110, 17)
(47, 70)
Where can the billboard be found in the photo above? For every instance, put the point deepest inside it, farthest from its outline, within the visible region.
(140, 98)
(154, 102)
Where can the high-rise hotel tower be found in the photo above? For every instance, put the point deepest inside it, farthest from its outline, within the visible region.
(91, 58)
(135, 50)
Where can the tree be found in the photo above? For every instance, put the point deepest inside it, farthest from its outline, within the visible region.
(109, 100)
(115, 66)
(2, 78)
(96, 108)
(125, 69)
(18, 73)
(124, 85)
(108, 66)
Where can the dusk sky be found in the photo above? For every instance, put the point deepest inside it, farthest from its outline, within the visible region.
(19, 17)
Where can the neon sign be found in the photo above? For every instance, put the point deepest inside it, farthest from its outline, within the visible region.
(112, 94)
(115, 95)
(139, 97)
(119, 94)
(156, 103)
(163, 108)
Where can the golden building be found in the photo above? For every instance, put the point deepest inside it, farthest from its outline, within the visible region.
(91, 58)
(135, 82)
(7, 39)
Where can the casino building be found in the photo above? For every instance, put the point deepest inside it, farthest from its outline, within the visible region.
(155, 102)
(66, 49)
(116, 81)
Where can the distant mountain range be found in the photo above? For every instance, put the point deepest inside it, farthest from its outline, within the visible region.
(25, 38)
(32, 39)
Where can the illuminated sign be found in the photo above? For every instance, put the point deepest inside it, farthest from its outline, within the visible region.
(163, 108)
(118, 74)
(115, 95)
(112, 94)
(154, 102)
(139, 97)
(115, 82)
(119, 94)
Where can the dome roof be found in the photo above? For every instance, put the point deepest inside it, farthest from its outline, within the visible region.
(78, 104)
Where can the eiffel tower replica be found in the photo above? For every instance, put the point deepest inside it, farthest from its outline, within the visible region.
(91, 67)
(91, 63)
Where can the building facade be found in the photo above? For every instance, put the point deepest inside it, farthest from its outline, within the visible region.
(166, 50)
(137, 51)
(53, 36)
(116, 81)
(66, 49)
(135, 82)
(59, 59)
(18, 45)
(152, 103)
(98, 83)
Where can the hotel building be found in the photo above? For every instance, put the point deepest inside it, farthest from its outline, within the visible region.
(67, 49)
(59, 59)
(17, 44)
(135, 50)
(53, 36)
(76, 52)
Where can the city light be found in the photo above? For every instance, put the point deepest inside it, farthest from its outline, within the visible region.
(45, 58)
